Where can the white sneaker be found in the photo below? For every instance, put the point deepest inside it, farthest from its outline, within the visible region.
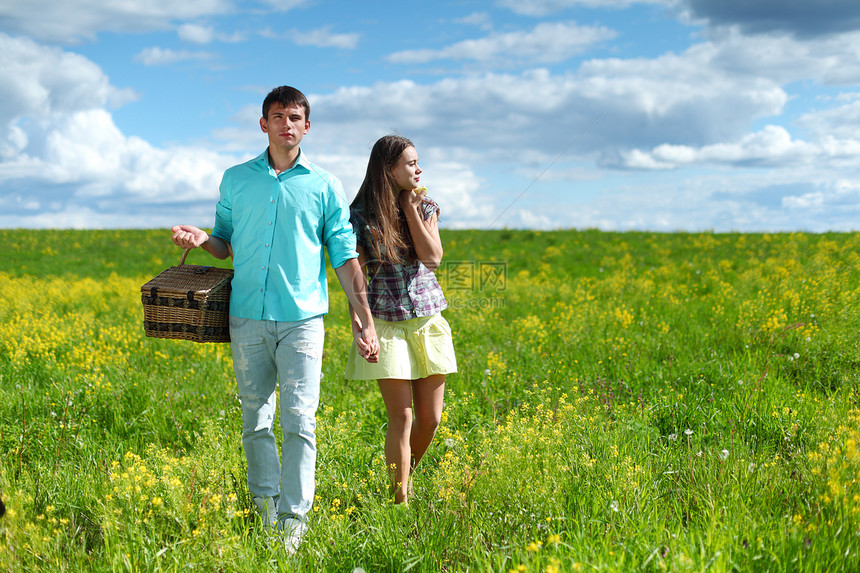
(267, 507)
(293, 530)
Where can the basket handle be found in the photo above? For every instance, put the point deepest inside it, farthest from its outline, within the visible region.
(185, 254)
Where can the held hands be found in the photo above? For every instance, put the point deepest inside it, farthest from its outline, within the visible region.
(366, 341)
(188, 236)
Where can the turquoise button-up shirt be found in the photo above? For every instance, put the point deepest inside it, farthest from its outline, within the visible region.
(277, 226)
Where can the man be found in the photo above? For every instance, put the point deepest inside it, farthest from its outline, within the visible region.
(275, 215)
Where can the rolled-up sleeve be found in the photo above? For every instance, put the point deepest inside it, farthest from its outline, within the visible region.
(223, 228)
(429, 208)
(338, 235)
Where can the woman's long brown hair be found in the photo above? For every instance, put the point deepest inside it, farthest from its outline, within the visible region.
(378, 202)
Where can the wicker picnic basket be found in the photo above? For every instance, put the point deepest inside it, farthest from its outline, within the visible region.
(188, 302)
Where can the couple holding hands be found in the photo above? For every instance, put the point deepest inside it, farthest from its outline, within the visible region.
(275, 216)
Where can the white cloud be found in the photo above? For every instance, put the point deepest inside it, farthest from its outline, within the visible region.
(63, 158)
(838, 196)
(772, 145)
(547, 42)
(156, 56)
(324, 38)
(670, 83)
(76, 20)
(285, 5)
(842, 122)
(196, 34)
(689, 122)
(675, 115)
(102, 169)
(480, 19)
(199, 34)
(782, 58)
(88, 149)
(674, 99)
(455, 186)
(546, 7)
(38, 81)
(699, 202)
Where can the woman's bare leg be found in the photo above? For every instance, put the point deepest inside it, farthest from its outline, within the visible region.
(397, 396)
(427, 395)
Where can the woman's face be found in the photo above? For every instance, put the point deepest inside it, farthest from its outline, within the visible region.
(406, 172)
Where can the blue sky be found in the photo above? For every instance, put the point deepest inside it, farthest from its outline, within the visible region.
(664, 115)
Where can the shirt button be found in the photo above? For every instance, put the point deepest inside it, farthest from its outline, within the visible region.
(267, 244)
(264, 267)
(270, 222)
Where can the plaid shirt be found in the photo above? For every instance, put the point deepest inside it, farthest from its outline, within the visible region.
(399, 291)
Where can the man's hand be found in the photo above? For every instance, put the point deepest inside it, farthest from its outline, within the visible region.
(353, 282)
(366, 341)
(189, 236)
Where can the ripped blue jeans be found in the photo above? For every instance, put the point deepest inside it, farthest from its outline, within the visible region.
(268, 355)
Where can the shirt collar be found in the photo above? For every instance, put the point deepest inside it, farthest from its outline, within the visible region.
(300, 161)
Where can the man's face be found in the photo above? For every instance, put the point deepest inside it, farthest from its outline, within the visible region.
(285, 126)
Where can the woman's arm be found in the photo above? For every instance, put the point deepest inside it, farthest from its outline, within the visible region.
(425, 233)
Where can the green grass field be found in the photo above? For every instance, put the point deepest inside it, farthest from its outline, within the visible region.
(625, 402)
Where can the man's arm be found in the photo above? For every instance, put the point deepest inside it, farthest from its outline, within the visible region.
(354, 285)
(190, 237)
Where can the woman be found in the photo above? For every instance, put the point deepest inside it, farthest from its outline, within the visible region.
(399, 247)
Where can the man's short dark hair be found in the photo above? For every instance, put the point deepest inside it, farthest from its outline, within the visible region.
(286, 96)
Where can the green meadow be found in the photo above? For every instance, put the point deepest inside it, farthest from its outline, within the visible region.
(624, 402)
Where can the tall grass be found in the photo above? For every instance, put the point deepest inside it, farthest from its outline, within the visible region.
(625, 402)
